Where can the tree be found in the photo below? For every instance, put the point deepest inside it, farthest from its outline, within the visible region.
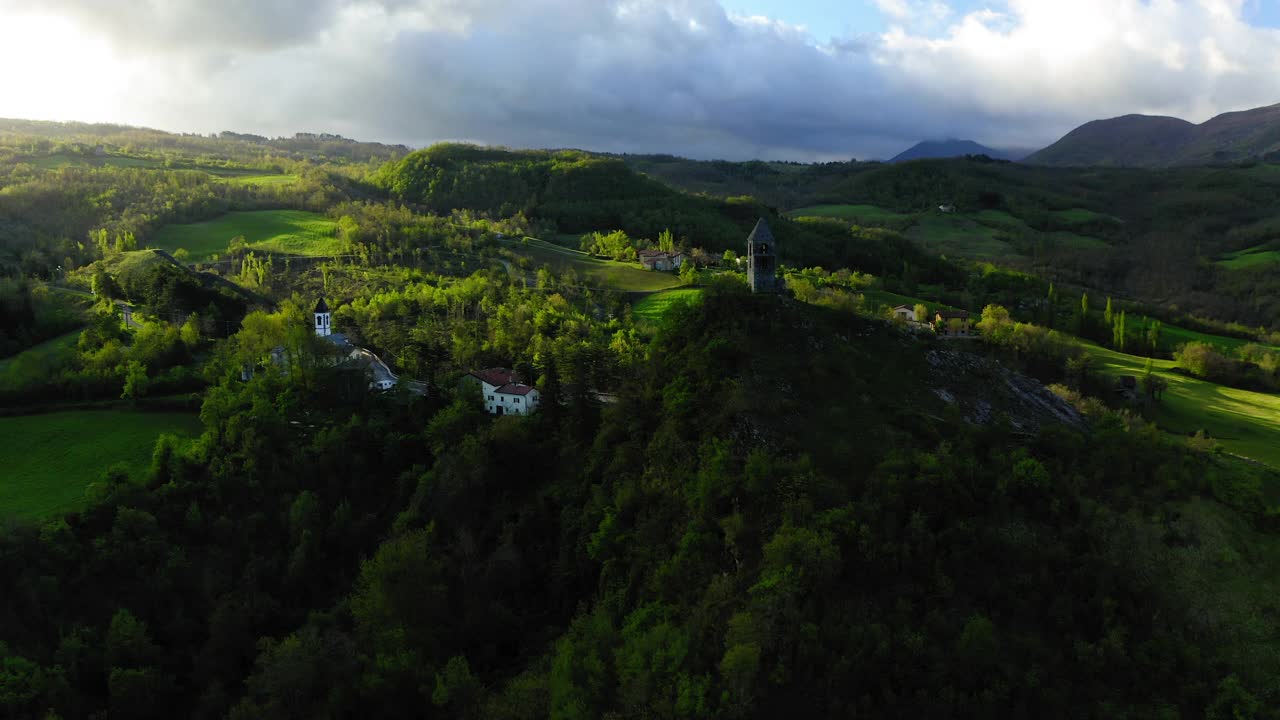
(1118, 331)
(1107, 314)
(730, 258)
(666, 242)
(921, 312)
(105, 286)
(135, 381)
(689, 272)
(190, 332)
(996, 324)
(1153, 335)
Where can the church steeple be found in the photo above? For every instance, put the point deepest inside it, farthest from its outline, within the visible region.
(762, 262)
(324, 319)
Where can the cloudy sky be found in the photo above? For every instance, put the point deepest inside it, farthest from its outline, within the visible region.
(790, 79)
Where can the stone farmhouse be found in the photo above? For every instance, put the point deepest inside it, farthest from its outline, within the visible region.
(661, 260)
(954, 324)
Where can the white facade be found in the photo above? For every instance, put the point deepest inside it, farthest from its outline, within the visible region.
(509, 399)
(324, 324)
(903, 312)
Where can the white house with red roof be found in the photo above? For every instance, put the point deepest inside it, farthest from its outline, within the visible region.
(504, 393)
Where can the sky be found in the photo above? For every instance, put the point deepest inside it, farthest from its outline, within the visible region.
(800, 80)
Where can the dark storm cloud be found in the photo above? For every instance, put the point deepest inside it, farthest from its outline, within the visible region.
(677, 76)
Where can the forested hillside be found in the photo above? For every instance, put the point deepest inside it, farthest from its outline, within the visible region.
(666, 556)
(727, 505)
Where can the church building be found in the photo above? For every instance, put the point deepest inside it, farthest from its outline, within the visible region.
(324, 319)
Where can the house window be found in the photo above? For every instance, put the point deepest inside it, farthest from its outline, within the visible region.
(517, 399)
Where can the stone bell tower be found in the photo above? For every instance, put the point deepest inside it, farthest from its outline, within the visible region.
(762, 260)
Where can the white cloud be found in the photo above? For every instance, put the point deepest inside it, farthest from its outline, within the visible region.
(657, 75)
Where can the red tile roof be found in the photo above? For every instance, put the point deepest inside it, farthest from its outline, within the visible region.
(514, 389)
(497, 376)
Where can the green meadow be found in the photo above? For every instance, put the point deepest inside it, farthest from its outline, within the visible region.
(291, 232)
(628, 277)
(655, 306)
(1079, 216)
(853, 213)
(1077, 242)
(61, 160)
(50, 459)
(1246, 423)
(958, 235)
(273, 180)
(1172, 337)
(1250, 258)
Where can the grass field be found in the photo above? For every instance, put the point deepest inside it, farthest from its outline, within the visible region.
(262, 179)
(49, 460)
(1250, 258)
(239, 176)
(292, 232)
(1077, 242)
(61, 160)
(1172, 337)
(655, 306)
(628, 277)
(1000, 219)
(854, 213)
(1079, 216)
(1246, 423)
(958, 235)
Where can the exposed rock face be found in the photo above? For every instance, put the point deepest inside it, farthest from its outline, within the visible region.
(982, 388)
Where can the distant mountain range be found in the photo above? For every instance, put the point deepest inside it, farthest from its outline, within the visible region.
(1150, 141)
(956, 148)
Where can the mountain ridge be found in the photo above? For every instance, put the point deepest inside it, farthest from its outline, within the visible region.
(1153, 141)
(951, 147)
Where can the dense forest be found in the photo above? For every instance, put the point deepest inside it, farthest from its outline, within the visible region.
(742, 506)
(666, 557)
